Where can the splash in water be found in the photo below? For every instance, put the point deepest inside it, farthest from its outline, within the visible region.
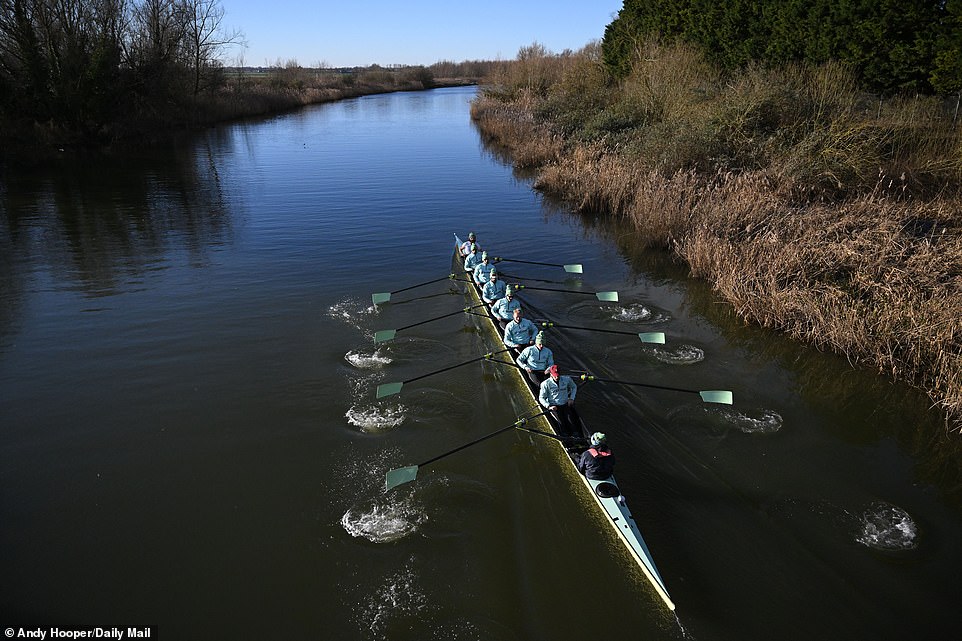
(376, 418)
(352, 311)
(634, 313)
(887, 527)
(362, 359)
(765, 422)
(399, 598)
(681, 355)
(383, 522)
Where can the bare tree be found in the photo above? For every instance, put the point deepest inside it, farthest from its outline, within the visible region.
(206, 38)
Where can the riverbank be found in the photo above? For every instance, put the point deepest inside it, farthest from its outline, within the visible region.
(238, 96)
(837, 225)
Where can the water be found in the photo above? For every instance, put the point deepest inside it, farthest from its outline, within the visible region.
(190, 438)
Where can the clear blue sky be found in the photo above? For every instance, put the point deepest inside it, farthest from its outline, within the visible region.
(365, 32)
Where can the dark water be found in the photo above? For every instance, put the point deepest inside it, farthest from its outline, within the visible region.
(189, 438)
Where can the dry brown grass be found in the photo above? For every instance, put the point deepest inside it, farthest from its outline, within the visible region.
(801, 225)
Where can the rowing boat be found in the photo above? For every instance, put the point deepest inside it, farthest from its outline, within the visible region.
(606, 493)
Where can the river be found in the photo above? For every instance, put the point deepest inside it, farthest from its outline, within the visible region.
(190, 440)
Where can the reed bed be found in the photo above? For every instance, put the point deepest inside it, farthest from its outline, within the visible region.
(813, 209)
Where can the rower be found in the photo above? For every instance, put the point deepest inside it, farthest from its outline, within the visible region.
(493, 290)
(473, 259)
(504, 308)
(465, 248)
(536, 360)
(520, 332)
(482, 272)
(557, 393)
(597, 462)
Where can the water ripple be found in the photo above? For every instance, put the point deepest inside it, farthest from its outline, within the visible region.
(376, 418)
(384, 522)
(681, 355)
(887, 527)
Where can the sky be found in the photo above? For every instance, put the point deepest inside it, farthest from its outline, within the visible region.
(417, 32)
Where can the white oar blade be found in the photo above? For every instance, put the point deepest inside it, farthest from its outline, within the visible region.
(389, 389)
(716, 396)
(652, 337)
(384, 335)
(381, 297)
(573, 269)
(400, 476)
(607, 297)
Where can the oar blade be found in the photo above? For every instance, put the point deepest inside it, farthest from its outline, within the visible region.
(716, 396)
(381, 297)
(652, 337)
(384, 335)
(573, 269)
(389, 389)
(607, 297)
(400, 476)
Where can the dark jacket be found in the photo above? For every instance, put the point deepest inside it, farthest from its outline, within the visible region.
(597, 463)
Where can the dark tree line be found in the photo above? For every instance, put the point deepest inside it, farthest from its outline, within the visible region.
(81, 65)
(893, 45)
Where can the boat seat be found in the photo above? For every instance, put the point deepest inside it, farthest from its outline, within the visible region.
(607, 490)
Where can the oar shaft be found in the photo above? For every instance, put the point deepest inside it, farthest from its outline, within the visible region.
(589, 378)
(436, 280)
(526, 262)
(479, 440)
(460, 311)
(589, 329)
(473, 360)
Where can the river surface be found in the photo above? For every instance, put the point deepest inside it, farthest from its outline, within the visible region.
(190, 440)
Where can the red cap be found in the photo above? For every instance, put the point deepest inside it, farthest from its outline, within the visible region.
(553, 370)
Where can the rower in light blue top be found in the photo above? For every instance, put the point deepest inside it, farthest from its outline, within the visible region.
(473, 259)
(536, 359)
(493, 290)
(482, 273)
(504, 308)
(520, 332)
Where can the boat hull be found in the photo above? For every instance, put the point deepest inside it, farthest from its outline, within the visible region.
(606, 494)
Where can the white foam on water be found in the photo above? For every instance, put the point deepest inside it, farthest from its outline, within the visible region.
(362, 359)
(397, 599)
(633, 313)
(352, 311)
(887, 527)
(681, 355)
(376, 418)
(766, 422)
(383, 522)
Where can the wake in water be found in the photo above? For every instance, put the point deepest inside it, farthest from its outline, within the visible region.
(399, 599)
(388, 518)
(887, 527)
(722, 419)
(354, 312)
(681, 355)
(368, 359)
(636, 313)
(373, 419)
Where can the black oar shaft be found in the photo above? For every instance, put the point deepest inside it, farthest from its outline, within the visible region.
(445, 369)
(479, 440)
(526, 262)
(663, 387)
(460, 311)
(566, 291)
(436, 280)
(589, 329)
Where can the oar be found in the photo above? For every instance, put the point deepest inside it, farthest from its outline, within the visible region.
(383, 335)
(389, 389)
(574, 268)
(646, 337)
(608, 297)
(383, 297)
(708, 396)
(407, 474)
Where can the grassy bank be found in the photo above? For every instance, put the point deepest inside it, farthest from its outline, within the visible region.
(815, 209)
(236, 94)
